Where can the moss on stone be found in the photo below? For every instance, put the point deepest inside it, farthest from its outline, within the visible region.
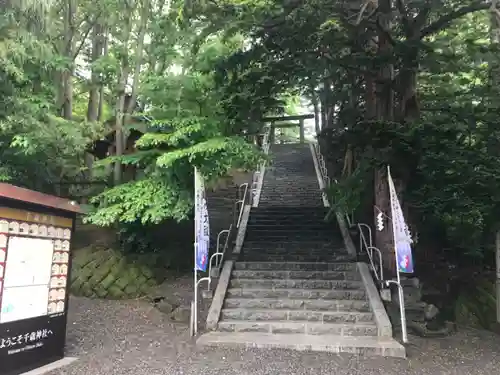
(107, 273)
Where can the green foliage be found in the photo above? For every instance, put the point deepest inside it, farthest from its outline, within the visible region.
(346, 195)
(166, 191)
(37, 147)
(210, 71)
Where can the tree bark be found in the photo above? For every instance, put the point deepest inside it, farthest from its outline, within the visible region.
(139, 52)
(66, 83)
(323, 108)
(101, 90)
(385, 112)
(314, 99)
(121, 94)
(93, 104)
(329, 104)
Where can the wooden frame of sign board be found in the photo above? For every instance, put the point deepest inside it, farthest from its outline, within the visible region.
(35, 269)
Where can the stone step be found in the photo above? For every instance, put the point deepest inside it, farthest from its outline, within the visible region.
(278, 249)
(293, 229)
(270, 254)
(297, 200)
(250, 256)
(363, 346)
(296, 283)
(264, 212)
(280, 226)
(285, 275)
(293, 239)
(274, 202)
(326, 238)
(293, 199)
(293, 293)
(288, 266)
(331, 305)
(282, 220)
(306, 248)
(308, 328)
(297, 244)
(296, 315)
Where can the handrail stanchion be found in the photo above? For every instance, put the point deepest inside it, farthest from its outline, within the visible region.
(381, 269)
(404, 332)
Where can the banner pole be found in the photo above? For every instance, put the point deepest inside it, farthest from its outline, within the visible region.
(196, 208)
(404, 332)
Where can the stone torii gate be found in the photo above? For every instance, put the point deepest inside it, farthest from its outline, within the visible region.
(287, 122)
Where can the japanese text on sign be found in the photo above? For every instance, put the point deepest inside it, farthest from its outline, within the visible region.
(32, 339)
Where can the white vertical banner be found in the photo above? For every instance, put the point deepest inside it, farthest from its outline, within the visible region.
(402, 248)
(401, 233)
(202, 226)
(201, 242)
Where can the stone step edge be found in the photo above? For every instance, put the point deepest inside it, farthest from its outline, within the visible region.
(357, 282)
(288, 310)
(275, 266)
(276, 299)
(367, 346)
(281, 273)
(298, 322)
(319, 290)
(299, 263)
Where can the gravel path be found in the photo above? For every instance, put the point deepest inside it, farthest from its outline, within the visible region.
(132, 337)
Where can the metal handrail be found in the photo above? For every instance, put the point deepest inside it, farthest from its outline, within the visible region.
(380, 264)
(242, 202)
(326, 179)
(217, 253)
(258, 176)
(218, 256)
(369, 249)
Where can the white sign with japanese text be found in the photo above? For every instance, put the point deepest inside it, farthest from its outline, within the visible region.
(26, 341)
(29, 262)
(24, 303)
(27, 278)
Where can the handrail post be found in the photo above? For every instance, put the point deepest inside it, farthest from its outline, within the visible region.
(402, 310)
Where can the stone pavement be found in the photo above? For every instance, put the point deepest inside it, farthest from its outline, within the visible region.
(119, 338)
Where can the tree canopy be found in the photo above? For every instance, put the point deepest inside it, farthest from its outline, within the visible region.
(413, 84)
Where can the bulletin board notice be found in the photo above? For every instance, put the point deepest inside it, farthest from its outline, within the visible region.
(27, 278)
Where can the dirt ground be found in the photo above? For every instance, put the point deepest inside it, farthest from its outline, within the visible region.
(133, 337)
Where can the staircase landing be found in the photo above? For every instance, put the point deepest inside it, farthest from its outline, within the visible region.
(369, 346)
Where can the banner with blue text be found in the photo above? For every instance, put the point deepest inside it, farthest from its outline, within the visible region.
(202, 226)
(401, 233)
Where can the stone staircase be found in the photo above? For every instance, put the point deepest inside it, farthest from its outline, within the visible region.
(293, 284)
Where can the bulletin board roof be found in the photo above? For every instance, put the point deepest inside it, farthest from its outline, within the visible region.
(17, 193)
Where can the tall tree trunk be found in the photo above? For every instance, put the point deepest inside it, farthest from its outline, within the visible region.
(370, 97)
(139, 52)
(329, 103)
(66, 78)
(314, 100)
(93, 104)
(495, 40)
(121, 93)
(385, 112)
(102, 98)
(323, 108)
